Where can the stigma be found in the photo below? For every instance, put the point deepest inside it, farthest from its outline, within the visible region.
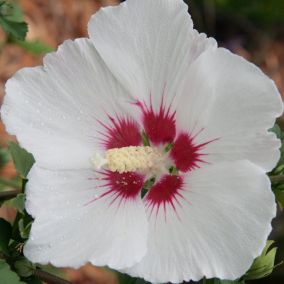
(144, 159)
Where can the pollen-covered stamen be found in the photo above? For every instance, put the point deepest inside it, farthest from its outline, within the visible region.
(143, 159)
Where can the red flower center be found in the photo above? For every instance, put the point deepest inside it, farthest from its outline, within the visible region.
(159, 129)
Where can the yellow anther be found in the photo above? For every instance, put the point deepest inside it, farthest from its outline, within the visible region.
(133, 158)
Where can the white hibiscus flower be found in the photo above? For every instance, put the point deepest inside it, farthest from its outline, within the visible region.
(147, 102)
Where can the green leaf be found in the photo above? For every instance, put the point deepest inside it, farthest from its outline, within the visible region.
(126, 279)
(278, 170)
(277, 130)
(280, 134)
(279, 195)
(35, 47)
(281, 187)
(24, 268)
(262, 265)
(11, 20)
(8, 276)
(12, 11)
(18, 202)
(10, 183)
(24, 229)
(5, 235)
(15, 30)
(141, 281)
(23, 160)
(4, 157)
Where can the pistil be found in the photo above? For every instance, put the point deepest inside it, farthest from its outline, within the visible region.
(143, 159)
(134, 158)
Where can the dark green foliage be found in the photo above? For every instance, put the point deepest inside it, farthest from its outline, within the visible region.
(277, 175)
(5, 235)
(24, 268)
(12, 22)
(261, 11)
(126, 279)
(219, 281)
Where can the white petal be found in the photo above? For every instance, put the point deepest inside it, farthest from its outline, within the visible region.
(147, 45)
(54, 110)
(230, 99)
(70, 230)
(221, 226)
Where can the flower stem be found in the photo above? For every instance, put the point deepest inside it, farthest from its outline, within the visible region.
(275, 179)
(9, 194)
(49, 278)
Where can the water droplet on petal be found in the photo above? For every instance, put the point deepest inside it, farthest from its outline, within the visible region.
(62, 238)
(39, 248)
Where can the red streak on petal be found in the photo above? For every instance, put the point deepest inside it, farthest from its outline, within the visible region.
(123, 132)
(186, 154)
(165, 192)
(123, 186)
(159, 126)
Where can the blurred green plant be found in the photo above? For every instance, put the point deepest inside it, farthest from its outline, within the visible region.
(11, 20)
(277, 175)
(262, 12)
(255, 20)
(13, 24)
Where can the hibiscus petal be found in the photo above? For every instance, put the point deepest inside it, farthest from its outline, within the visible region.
(56, 111)
(147, 45)
(76, 222)
(222, 216)
(230, 101)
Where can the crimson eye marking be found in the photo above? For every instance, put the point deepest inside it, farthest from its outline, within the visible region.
(165, 192)
(128, 167)
(122, 132)
(186, 154)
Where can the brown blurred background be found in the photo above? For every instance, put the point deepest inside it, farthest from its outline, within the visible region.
(253, 29)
